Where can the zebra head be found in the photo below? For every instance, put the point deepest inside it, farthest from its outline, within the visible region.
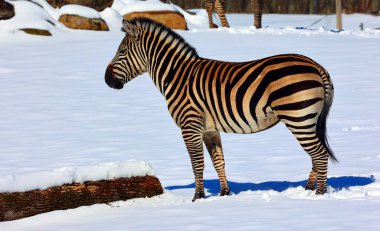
(129, 60)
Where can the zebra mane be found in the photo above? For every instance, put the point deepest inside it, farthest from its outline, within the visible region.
(149, 25)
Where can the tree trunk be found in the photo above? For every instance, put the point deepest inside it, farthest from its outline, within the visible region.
(24, 204)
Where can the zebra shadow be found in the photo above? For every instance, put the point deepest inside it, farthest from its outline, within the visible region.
(338, 183)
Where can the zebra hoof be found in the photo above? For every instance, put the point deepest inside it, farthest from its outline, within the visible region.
(198, 195)
(310, 187)
(320, 192)
(224, 192)
(213, 26)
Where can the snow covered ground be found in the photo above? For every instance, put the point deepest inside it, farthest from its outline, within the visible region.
(56, 111)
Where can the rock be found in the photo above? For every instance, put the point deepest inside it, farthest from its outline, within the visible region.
(7, 10)
(82, 23)
(171, 19)
(36, 31)
(98, 5)
(18, 205)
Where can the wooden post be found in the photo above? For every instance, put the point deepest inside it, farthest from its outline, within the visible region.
(311, 7)
(338, 6)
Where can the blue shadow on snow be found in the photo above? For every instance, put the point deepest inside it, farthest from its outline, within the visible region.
(338, 183)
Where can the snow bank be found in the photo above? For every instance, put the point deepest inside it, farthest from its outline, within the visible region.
(28, 15)
(288, 30)
(78, 10)
(197, 21)
(43, 16)
(112, 18)
(149, 5)
(80, 174)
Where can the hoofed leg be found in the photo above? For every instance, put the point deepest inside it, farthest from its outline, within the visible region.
(194, 145)
(220, 8)
(209, 6)
(318, 153)
(310, 185)
(257, 8)
(214, 147)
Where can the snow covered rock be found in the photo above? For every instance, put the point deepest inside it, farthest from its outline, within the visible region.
(30, 18)
(36, 31)
(98, 5)
(171, 19)
(7, 10)
(81, 18)
(167, 14)
(82, 23)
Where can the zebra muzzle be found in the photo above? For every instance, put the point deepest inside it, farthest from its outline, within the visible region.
(111, 80)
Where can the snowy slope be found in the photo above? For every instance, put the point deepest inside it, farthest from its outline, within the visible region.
(56, 111)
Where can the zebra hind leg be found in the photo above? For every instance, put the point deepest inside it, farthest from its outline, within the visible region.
(310, 185)
(311, 143)
(214, 147)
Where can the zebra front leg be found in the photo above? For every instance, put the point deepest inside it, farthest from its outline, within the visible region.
(257, 8)
(209, 7)
(220, 8)
(214, 147)
(194, 145)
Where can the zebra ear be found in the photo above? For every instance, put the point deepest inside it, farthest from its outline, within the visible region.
(130, 29)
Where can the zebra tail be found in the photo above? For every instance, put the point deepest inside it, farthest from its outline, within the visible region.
(322, 119)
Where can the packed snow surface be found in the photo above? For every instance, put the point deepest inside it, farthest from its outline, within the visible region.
(57, 111)
(68, 175)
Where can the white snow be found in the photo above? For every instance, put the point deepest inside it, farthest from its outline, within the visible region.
(112, 18)
(78, 10)
(197, 21)
(147, 6)
(68, 175)
(29, 15)
(56, 111)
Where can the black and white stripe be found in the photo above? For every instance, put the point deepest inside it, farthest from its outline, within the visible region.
(206, 97)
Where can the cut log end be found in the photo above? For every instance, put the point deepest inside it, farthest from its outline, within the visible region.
(19, 205)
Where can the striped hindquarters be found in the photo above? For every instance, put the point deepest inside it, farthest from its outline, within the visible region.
(253, 96)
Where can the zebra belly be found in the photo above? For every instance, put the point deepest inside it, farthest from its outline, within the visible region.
(237, 125)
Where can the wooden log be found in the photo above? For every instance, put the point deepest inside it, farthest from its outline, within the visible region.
(18, 205)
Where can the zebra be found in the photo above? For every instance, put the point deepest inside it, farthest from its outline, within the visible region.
(206, 97)
(257, 7)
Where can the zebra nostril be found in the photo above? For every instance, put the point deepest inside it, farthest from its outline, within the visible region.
(110, 69)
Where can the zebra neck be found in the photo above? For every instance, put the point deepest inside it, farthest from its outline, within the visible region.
(171, 65)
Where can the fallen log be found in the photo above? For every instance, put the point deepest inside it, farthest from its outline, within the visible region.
(18, 205)
(71, 187)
